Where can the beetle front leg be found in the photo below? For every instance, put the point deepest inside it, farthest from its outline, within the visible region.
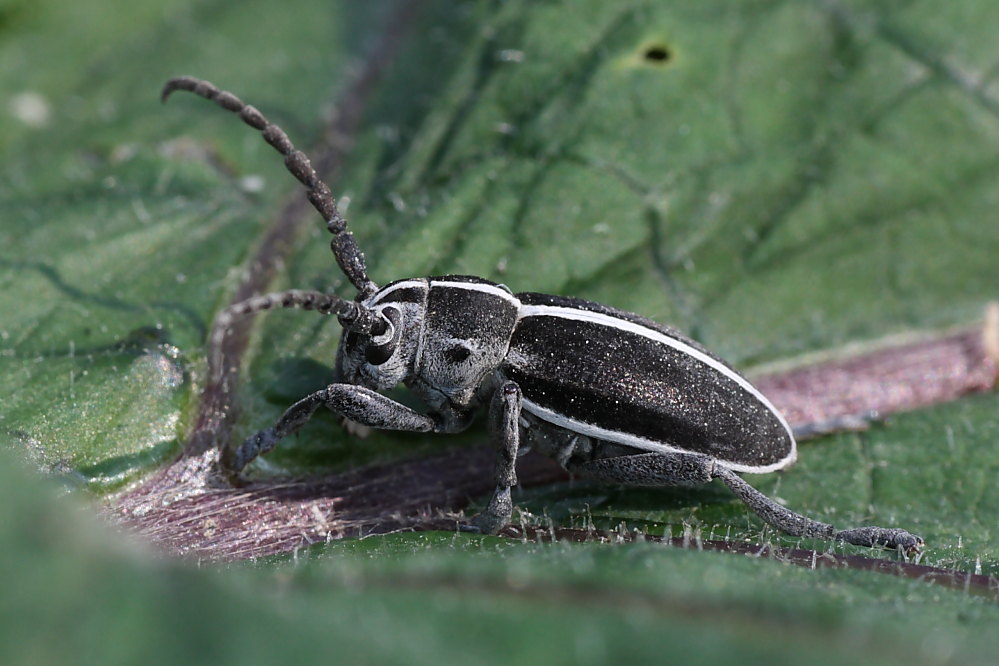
(359, 404)
(504, 428)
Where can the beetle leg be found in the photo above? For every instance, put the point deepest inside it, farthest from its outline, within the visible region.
(886, 537)
(770, 511)
(674, 469)
(648, 469)
(360, 405)
(797, 525)
(504, 428)
(685, 469)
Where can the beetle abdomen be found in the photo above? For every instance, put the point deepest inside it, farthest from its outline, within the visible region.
(615, 376)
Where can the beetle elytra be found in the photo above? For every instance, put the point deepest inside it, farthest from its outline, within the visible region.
(610, 395)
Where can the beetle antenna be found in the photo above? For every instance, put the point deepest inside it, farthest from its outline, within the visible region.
(348, 255)
(353, 316)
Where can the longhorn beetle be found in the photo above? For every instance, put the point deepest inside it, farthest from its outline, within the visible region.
(610, 395)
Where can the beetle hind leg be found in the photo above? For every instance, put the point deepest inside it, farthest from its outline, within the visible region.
(886, 537)
(685, 469)
(648, 469)
(797, 525)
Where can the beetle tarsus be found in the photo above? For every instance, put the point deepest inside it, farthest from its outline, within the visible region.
(497, 515)
(252, 446)
(885, 537)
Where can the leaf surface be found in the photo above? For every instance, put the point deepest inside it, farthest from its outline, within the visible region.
(772, 178)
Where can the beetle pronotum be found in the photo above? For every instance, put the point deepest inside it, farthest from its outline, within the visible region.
(609, 394)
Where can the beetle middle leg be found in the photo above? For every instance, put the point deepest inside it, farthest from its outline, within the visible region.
(504, 428)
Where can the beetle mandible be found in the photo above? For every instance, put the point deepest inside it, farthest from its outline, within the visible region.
(610, 395)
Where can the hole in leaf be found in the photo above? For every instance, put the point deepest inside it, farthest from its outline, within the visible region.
(657, 54)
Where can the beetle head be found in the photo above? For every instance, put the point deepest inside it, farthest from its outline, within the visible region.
(382, 355)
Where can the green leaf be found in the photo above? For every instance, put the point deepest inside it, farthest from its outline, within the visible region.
(773, 178)
(445, 598)
(122, 233)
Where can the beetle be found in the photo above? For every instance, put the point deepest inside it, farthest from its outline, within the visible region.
(609, 394)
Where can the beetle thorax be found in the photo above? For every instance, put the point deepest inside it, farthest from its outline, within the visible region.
(466, 334)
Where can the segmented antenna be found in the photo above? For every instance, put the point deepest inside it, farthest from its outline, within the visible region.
(348, 254)
(353, 316)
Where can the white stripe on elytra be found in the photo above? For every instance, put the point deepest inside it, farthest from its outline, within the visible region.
(624, 325)
(642, 443)
(657, 336)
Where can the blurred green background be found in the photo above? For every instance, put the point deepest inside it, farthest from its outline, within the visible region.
(773, 178)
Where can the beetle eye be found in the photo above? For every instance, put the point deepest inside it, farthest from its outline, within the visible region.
(378, 352)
